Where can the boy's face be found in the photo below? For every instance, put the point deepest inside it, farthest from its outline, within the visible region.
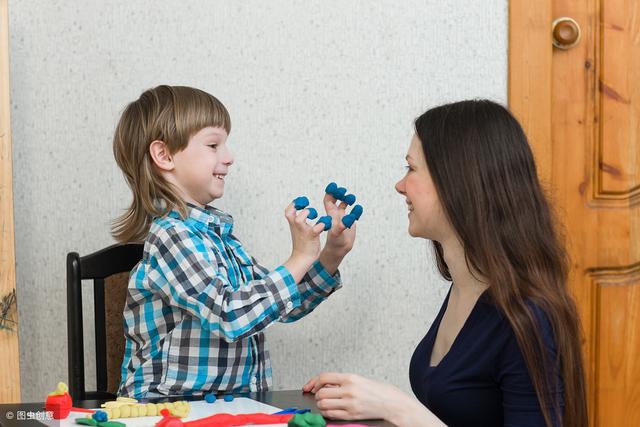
(201, 168)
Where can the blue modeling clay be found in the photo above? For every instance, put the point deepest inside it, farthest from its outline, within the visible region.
(326, 220)
(349, 199)
(339, 193)
(300, 202)
(356, 211)
(348, 220)
(228, 397)
(331, 188)
(100, 416)
(210, 397)
(313, 214)
(292, 411)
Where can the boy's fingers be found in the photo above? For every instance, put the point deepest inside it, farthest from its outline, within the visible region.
(328, 198)
(318, 228)
(301, 217)
(329, 202)
(338, 227)
(290, 212)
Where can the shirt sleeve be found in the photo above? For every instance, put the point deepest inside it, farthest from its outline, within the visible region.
(316, 286)
(185, 272)
(520, 402)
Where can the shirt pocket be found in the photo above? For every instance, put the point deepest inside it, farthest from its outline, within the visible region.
(241, 257)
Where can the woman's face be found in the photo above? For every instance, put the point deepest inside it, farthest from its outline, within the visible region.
(426, 216)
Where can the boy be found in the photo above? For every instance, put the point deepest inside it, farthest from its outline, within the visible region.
(198, 303)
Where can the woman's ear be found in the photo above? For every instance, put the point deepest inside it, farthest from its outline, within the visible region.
(161, 156)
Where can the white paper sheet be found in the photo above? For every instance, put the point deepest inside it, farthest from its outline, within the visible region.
(199, 409)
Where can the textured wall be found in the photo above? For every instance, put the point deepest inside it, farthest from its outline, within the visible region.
(317, 90)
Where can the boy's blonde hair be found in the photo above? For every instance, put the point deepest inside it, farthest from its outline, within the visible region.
(171, 114)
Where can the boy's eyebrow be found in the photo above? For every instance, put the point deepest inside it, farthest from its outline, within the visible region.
(211, 134)
(214, 132)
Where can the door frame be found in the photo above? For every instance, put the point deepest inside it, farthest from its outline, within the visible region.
(10, 355)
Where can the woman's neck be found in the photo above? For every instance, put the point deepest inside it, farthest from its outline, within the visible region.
(466, 284)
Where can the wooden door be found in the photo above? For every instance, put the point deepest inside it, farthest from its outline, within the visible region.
(581, 110)
(9, 357)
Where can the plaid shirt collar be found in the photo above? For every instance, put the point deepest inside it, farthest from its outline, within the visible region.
(206, 218)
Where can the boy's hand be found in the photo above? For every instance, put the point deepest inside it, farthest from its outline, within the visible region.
(340, 239)
(305, 238)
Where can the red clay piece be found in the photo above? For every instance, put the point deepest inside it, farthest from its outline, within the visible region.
(229, 420)
(60, 405)
(168, 420)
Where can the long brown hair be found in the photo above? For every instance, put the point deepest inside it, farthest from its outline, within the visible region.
(485, 175)
(171, 114)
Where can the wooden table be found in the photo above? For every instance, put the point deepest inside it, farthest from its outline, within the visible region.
(280, 399)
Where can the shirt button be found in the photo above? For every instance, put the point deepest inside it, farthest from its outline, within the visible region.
(289, 305)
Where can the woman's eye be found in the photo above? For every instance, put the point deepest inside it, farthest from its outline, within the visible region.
(408, 168)
(214, 146)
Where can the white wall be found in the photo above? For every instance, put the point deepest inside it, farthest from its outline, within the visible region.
(317, 91)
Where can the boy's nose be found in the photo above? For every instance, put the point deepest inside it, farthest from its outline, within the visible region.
(228, 158)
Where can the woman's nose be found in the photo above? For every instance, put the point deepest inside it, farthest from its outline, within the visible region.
(400, 186)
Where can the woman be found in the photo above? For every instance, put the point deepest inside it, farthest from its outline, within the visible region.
(504, 348)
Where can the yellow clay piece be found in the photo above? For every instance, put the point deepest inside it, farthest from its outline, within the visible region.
(115, 409)
(60, 390)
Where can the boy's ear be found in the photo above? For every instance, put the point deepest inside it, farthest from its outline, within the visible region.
(160, 155)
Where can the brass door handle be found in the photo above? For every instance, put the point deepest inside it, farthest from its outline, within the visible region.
(566, 33)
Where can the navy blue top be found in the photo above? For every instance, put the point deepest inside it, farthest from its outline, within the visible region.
(483, 379)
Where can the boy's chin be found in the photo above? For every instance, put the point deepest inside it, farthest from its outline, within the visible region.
(207, 200)
(214, 197)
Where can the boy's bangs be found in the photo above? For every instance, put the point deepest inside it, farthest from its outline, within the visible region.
(198, 110)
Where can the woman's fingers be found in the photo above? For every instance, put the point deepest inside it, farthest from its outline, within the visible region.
(330, 393)
(336, 414)
(309, 385)
(329, 378)
(331, 404)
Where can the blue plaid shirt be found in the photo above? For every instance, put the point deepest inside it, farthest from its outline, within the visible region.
(197, 306)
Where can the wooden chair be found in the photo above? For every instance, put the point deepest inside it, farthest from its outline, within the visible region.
(108, 269)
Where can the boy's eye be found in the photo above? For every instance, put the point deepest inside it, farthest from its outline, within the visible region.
(408, 168)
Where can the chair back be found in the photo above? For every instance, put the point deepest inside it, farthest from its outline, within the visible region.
(108, 270)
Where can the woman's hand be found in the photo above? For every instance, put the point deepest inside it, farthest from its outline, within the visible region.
(352, 397)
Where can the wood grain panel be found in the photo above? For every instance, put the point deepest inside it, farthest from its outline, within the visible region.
(619, 84)
(616, 345)
(529, 85)
(9, 354)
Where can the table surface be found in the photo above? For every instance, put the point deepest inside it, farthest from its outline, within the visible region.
(280, 399)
